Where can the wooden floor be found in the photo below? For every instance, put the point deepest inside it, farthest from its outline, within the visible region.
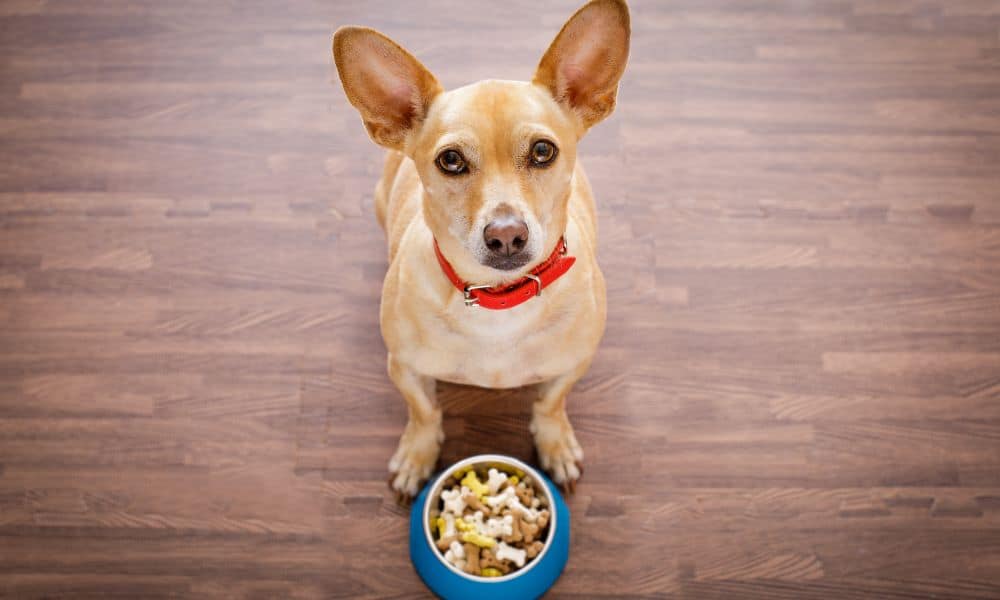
(798, 395)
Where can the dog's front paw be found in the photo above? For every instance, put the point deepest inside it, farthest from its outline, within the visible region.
(558, 451)
(414, 458)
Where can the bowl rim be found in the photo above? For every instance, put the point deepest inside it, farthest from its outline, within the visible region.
(487, 458)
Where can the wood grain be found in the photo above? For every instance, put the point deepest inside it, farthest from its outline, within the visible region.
(798, 395)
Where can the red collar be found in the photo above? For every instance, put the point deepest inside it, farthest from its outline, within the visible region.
(522, 290)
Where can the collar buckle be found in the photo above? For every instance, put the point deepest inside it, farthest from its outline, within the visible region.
(471, 300)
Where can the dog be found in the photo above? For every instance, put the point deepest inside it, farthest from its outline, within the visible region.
(493, 279)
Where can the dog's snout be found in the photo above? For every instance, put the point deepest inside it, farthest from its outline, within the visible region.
(506, 236)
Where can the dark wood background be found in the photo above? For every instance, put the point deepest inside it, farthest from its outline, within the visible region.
(798, 395)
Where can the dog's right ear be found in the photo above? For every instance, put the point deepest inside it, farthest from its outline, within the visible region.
(389, 87)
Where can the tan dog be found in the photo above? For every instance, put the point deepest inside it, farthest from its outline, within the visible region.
(489, 173)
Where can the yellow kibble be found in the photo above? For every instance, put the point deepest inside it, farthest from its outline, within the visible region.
(477, 487)
(513, 480)
(480, 540)
(462, 525)
(441, 526)
(492, 572)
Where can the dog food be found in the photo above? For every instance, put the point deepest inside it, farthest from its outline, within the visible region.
(491, 523)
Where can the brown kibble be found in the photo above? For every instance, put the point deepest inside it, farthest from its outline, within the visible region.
(532, 549)
(473, 564)
(472, 501)
(529, 531)
(444, 543)
(515, 535)
(543, 518)
(489, 560)
(525, 494)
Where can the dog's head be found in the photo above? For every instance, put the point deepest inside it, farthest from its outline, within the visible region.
(496, 158)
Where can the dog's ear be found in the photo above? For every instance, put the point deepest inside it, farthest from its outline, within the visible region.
(389, 87)
(583, 65)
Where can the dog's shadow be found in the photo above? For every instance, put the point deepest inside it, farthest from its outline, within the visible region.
(486, 421)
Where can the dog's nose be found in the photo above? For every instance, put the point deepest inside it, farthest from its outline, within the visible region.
(506, 236)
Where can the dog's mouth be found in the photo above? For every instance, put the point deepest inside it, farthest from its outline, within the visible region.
(507, 263)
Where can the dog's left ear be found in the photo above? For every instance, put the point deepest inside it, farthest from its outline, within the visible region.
(583, 65)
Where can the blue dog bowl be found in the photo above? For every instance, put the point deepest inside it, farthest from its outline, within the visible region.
(449, 582)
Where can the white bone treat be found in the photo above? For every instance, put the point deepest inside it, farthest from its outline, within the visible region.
(505, 552)
(453, 502)
(498, 526)
(476, 520)
(449, 525)
(509, 498)
(502, 499)
(529, 514)
(495, 480)
(455, 555)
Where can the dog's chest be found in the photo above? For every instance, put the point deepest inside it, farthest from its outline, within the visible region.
(501, 349)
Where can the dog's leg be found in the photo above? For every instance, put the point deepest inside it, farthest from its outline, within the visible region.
(558, 450)
(421, 440)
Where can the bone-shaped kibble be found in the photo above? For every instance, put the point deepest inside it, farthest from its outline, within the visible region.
(528, 514)
(529, 531)
(515, 529)
(453, 502)
(472, 501)
(504, 498)
(498, 526)
(505, 552)
(488, 561)
(508, 497)
(473, 522)
(543, 518)
(444, 543)
(525, 494)
(480, 540)
(473, 484)
(493, 527)
(471, 559)
(455, 555)
(495, 481)
(446, 525)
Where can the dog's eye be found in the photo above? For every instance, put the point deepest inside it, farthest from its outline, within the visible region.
(543, 152)
(451, 162)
